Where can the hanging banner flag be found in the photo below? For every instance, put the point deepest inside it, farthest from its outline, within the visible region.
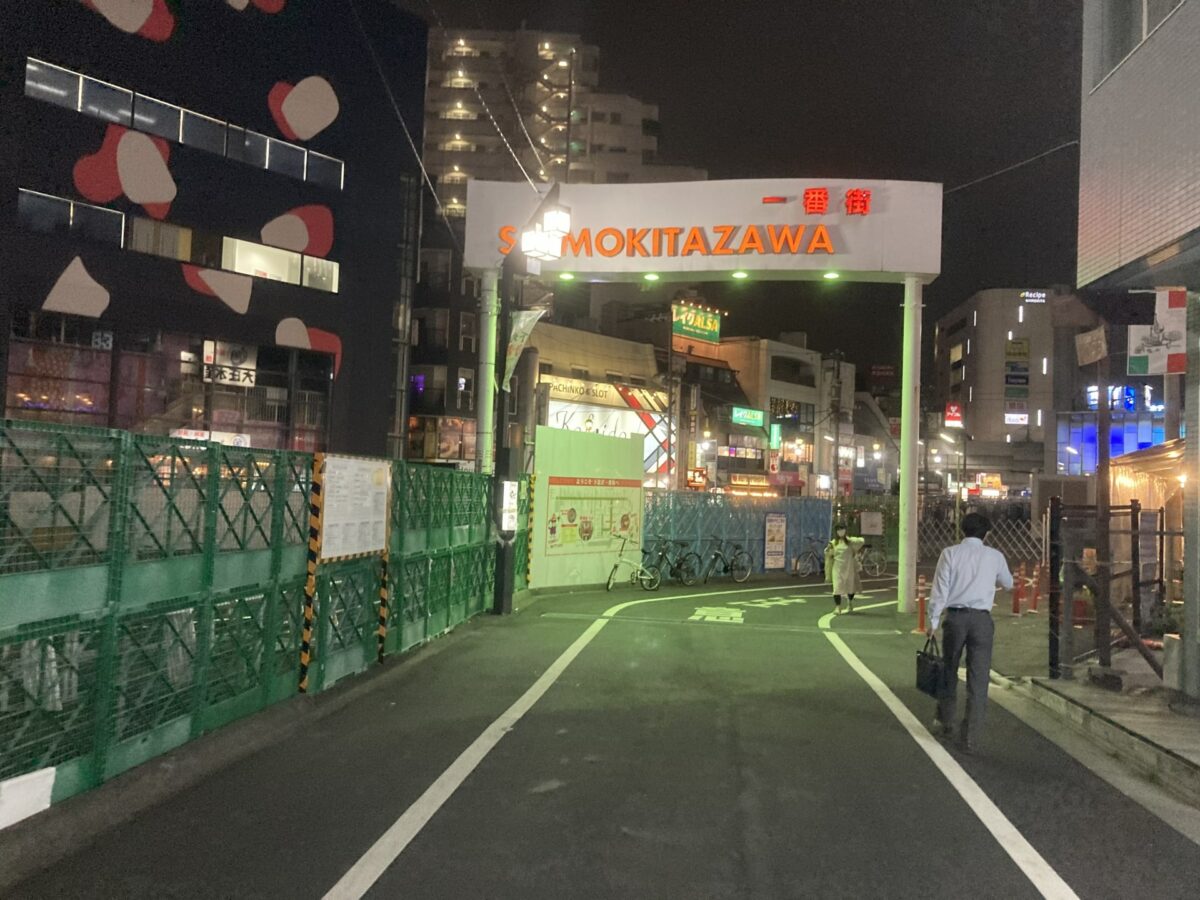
(1161, 349)
(523, 321)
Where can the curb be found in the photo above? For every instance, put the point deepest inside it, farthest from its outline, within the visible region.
(1149, 759)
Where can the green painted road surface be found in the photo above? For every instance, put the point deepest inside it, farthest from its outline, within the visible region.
(730, 742)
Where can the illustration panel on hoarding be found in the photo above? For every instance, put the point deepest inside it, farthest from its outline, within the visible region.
(592, 515)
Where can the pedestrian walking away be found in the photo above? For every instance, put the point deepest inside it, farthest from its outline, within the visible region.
(964, 591)
(841, 566)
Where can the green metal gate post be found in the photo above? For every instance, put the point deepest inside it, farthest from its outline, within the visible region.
(104, 704)
(202, 662)
(273, 611)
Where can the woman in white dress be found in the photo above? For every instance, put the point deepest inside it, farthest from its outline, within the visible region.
(841, 566)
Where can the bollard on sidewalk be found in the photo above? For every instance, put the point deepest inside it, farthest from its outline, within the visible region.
(921, 614)
(1036, 595)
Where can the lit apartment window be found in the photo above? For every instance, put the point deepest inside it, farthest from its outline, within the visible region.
(320, 274)
(459, 111)
(271, 263)
(454, 178)
(458, 78)
(160, 239)
(112, 103)
(466, 390)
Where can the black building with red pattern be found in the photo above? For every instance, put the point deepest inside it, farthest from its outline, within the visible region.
(209, 217)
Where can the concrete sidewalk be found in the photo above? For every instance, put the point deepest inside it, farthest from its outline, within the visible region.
(1143, 725)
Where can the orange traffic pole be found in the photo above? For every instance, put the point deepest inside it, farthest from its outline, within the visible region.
(920, 629)
(1018, 592)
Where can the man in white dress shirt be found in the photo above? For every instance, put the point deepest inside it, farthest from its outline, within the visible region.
(964, 590)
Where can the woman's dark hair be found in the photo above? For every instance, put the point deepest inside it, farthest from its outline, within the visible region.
(844, 539)
(976, 525)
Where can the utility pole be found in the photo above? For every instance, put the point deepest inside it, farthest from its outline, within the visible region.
(835, 409)
(570, 102)
(1103, 524)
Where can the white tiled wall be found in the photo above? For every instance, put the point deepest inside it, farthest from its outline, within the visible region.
(1139, 179)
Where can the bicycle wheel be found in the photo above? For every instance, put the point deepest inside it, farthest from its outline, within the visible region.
(650, 578)
(612, 576)
(874, 563)
(689, 569)
(807, 564)
(740, 566)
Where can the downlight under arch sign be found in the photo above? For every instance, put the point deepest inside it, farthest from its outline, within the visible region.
(772, 229)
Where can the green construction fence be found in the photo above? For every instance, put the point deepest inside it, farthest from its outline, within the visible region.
(152, 589)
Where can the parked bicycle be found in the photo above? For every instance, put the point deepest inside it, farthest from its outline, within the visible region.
(812, 560)
(683, 565)
(873, 560)
(733, 561)
(649, 577)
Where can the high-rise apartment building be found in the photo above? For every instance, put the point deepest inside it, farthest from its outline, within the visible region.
(509, 105)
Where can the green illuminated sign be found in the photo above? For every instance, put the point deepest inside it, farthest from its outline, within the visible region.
(776, 436)
(752, 417)
(698, 324)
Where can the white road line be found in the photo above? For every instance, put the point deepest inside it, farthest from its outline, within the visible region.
(1047, 881)
(363, 874)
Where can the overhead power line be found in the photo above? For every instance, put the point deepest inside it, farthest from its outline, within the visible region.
(403, 125)
(1023, 162)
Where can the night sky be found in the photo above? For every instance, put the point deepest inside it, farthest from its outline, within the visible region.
(938, 90)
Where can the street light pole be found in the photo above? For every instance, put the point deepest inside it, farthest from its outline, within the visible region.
(910, 403)
(489, 308)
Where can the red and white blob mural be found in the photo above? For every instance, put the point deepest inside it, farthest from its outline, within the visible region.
(305, 229)
(267, 6)
(129, 163)
(231, 289)
(76, 292)
(151, 19)
(304, 110)
(294, 333)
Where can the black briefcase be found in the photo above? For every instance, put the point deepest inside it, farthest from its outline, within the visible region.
(930, 669)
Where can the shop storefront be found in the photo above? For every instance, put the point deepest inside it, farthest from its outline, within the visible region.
(69, 371)
(614, 410)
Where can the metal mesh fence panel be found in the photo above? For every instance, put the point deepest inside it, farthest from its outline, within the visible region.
(702, 519)
(47, 695)
(56, 490)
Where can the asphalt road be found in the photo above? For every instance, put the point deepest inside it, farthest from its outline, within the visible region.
(675, 756)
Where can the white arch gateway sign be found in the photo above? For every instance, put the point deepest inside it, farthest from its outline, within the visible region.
(764, 229)
(795, 228)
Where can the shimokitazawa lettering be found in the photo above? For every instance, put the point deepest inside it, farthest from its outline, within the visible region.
(717, 240)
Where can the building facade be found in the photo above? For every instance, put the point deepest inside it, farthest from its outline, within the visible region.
(807, 402)
(1139, 230)
(209, 225)
(511, 105)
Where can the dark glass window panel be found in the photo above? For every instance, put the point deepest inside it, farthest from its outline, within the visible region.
(203, 133)
(38, 212)
(156, 117)
(98, 224)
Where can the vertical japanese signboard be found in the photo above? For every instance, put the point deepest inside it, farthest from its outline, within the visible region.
(1016, 382)
(776, 542)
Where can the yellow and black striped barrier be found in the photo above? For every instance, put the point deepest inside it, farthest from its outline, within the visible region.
(383, 602)
(316, 504)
